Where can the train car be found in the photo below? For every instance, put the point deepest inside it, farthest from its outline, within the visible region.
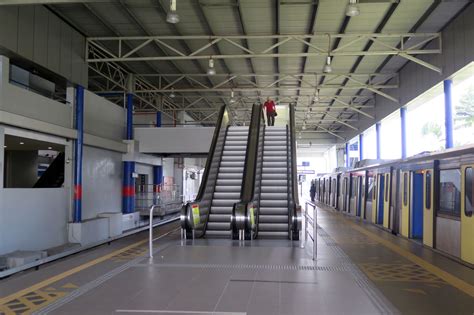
(426, 198)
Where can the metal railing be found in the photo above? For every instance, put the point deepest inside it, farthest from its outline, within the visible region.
(167, 198)
(150, 233)
(313, 222)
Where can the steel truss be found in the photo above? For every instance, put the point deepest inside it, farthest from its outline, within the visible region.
(126, 48)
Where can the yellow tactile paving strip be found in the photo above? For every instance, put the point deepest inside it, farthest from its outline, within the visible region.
(43, 293)
(398, 272)
(35, 300)
(416, 260)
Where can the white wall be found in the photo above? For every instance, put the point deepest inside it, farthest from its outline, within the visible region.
(33, 219)
(102, 182)
(103, 118)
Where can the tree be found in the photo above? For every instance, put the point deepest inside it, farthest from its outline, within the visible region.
(464, 117)
(432, 128)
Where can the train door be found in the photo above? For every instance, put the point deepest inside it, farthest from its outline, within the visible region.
(416, 208)
(467, 219)
(428, 208)
(405, 183)
(360, 198)
(386, 202)
(380, 198)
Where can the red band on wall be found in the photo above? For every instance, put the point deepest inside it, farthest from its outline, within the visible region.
(77, 192)
(128, 191)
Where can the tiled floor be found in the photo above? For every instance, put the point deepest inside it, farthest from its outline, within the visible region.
(353, 274)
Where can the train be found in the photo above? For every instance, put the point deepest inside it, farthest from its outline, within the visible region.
(427, 198)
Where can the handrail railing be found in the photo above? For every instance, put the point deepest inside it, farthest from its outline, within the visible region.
(242, 211)
(193, 212)
(313, 222)
(295, 208)
(150, 233)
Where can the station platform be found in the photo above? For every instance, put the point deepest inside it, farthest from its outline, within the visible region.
(360, 269)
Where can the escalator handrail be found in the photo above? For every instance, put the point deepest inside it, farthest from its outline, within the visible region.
(240, 216)
(296, 216)
(222, 122)
(186, 215)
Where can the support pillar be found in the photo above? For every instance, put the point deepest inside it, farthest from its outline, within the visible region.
(403, 119)
(157, 178)
(448, 111)
(158, 119)
(377, 142)
(128, 188)
(361, 148)
(78, 147)
(347, 155)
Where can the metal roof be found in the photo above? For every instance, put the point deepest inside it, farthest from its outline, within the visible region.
(367, 51)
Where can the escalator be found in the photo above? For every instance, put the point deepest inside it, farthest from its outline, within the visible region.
(53, 177)
(249, 188)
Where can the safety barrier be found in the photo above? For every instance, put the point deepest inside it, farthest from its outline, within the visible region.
(150, 233)
(166, 198)
(311, 221)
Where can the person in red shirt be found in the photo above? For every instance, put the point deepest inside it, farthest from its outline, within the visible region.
(271, 111)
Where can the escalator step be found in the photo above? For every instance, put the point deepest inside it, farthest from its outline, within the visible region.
(280, 227)
(222, 210)
(218, 225)
(272, 219)
(275, 189)
(218, 233)
(273, 196)
(273, 211)
(222, 217)
(227, 195)
(224, 202)
(272, 203)
(274, 182)
(272, 235)
(228, 188)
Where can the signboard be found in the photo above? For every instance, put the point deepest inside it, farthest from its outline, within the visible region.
(196, 214)
(306, 172)
(305, 163)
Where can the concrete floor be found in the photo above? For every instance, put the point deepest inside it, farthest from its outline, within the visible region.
(355, 273)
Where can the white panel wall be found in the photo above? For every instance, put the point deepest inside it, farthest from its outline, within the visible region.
(174, 140)
(16, 100)
(103, 118)
(102, 182)
(33, 219)
(36, 34)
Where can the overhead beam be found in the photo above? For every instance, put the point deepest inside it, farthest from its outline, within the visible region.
(315, 48)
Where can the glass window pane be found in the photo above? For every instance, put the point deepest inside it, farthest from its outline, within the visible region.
(390, 137)
(369, 144)
(469, 192)
(428, 190)
(405, 189)
(450, 192)
(463, 106)
(425, 122)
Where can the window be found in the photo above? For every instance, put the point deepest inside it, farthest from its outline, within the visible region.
(450, 192)
(390, 137)
(354, 151)
(469, 193)
(369, 144)
(425, 122)
(428, 190)
(463, 106)
(405, 189)
(371, 187)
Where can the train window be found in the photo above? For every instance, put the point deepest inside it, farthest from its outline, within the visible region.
(405, 189)
(469, 193)
(371, 187)
(428, 190)
(450, 192)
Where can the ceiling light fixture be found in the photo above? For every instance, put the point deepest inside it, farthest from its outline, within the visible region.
(232, 100)
(327, 67)
(211, 70)
(352, 8)
(316, 96)
(172, 17)
(22, 143)
(303, 127)
(172, 95)
(50, 148)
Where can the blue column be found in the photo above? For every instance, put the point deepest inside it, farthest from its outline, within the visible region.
(377, 135)
(403, 119)
(158, 119)
(128, 188)
(361, 142)
(78, 145)
(347, 154)
(448, 111)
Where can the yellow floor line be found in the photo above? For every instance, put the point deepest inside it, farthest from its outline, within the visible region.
(449, 278)
(61, 276)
